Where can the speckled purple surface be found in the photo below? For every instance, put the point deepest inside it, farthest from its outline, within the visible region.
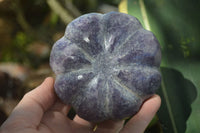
(106, 65)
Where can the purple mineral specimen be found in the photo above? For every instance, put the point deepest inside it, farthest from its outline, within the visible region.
(106, 65)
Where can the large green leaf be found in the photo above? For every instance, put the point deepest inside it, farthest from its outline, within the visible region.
(177, 94)
(176, 25)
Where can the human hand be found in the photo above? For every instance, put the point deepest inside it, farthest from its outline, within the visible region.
(40, 111)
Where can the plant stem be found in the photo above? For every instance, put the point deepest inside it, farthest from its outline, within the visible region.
(58, 9)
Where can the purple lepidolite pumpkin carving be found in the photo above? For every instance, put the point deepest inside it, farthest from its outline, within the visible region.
(106, 66)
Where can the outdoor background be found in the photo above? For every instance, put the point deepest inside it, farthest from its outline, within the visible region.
(29, 28)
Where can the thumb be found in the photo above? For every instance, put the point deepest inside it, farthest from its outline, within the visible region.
(31, 108)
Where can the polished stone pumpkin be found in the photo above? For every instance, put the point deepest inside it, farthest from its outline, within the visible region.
(106, 66)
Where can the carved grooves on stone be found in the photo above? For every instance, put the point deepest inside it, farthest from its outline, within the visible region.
(79, 71)
(117, 81)
(87, 56)
(118, 47)
(108, 101)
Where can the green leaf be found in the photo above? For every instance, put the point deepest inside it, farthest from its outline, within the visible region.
(191, 71)
(177, 94)
(176, 25)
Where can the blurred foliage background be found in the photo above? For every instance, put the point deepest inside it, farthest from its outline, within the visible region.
(175, 23)
(28, 30)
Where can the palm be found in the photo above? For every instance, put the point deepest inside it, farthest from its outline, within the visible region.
(55, 121)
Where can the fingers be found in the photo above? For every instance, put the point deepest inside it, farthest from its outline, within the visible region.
(109, 126)
(140, 121)
(31, 108)
(60, 107)
(43, 95)
(55, 121)
(83, 122)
